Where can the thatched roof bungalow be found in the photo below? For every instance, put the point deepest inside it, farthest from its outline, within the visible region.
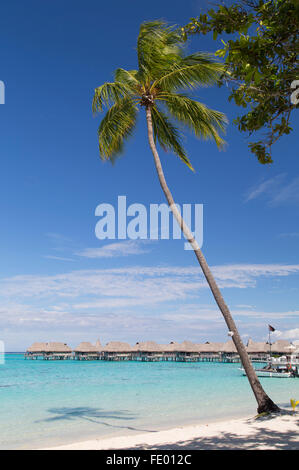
(37, 348)
(152, 351)
(228, 348)
(54, 347)
(207, 347)
(147, 346)
(117, 346)
(117, 350)
(86, 347)
(280, 346)
(86, 350)
(52, 350)
(257, 347)
(189, 347)
(147, 350)
(184, 347)
(171, 347)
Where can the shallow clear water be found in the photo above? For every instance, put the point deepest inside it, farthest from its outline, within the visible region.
(47, 403)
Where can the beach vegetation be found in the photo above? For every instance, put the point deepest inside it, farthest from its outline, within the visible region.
(259, 44)
(294, 403)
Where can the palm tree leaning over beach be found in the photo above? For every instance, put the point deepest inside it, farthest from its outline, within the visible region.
(164, 73)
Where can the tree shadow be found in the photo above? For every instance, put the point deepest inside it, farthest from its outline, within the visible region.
(260, 437)
(93, 415)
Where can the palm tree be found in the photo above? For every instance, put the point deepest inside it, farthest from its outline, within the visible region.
(158, 86)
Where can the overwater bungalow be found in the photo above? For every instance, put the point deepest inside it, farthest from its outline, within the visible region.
(52, 350)
(174, 351)
(229, 352)
(280, 347)
(189, 347)
(209, 352)
(171, 347)
(58, 351)
(87, 351)
(36, 351)
(168, 351)
(257, 351)
(187, 351)
(147, 351)
(117, 351)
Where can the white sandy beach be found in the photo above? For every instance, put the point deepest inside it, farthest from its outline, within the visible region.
(278, 432)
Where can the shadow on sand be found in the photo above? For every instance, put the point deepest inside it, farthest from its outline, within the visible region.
(261, 437)
(94, 415)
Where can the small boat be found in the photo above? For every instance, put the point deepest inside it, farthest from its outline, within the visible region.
(269, 371)
(277, 368)
(279, 373)
(280, 367)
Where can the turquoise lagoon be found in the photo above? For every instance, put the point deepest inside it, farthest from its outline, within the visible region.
(47, 403)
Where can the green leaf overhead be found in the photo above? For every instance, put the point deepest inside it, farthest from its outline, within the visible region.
(261, 63)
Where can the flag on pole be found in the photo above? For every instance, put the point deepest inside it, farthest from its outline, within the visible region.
(271, 328)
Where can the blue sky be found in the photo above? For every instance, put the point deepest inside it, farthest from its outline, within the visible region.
(52, 56)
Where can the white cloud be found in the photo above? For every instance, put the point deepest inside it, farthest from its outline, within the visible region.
(162, 295)
(139, 282)
(292, 334)
(269, 315)
(245, 306)
(58, 258)
(58, 237)
(267, 187)
(288, 193)
(276, 190)
(243, 276)
(114, 250)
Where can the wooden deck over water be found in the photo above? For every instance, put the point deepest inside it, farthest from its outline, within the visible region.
(150, 351)
(141, 357)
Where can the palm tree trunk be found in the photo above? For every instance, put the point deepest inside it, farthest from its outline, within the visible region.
(265, 404)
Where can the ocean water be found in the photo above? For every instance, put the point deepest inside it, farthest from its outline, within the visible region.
(47, 403)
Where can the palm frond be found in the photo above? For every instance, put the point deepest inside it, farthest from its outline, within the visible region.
(167, 135)
(163, 70)
(206, 123)
(115, 127)
(190, 72)
(158, 45)
(108, 94)
(128, 78)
